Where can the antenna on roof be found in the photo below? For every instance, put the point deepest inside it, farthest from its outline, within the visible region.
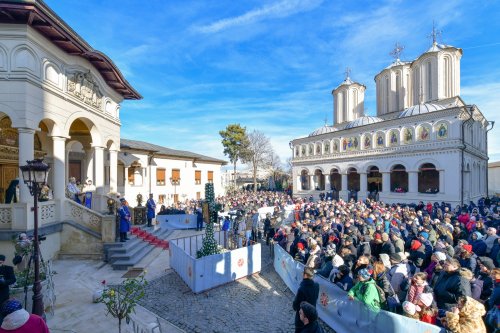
(396, 52)
(435, 33)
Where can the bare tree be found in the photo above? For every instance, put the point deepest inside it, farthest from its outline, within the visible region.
(259, 153)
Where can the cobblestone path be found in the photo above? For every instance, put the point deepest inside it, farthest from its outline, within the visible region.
(259, 303)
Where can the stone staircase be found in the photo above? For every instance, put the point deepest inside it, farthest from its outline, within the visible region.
(143, 240)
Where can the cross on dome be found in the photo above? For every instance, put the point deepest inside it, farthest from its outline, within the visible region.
(435, 33)
(347, 73)
(396, 52)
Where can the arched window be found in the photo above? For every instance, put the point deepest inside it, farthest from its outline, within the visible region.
(374, 180)
(319, 180)
(428, 178)
(399, 179)
(304, 180)
(352, 179)
(335, 180)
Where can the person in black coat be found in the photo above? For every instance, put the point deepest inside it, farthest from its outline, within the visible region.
(7, 277)
(450, 286)
(309, 317)
(308, 292)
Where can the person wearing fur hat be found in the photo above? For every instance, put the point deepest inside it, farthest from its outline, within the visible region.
(465, 317)
(309, 317)
(18, 320)
(450, 285)
(124, 213)
(365, 290)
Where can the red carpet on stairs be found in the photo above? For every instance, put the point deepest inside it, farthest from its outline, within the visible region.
(150, 238)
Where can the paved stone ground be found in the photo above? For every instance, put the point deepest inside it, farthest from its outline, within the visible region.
(259, 303)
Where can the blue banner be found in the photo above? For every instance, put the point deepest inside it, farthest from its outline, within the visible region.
(341, 314)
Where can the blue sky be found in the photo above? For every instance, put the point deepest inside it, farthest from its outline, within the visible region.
(271, 65)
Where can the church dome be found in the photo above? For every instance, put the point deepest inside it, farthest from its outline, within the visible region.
(366, 120)
(420, 109)
(323, 130)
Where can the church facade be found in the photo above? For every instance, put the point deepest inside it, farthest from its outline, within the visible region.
(425, 144)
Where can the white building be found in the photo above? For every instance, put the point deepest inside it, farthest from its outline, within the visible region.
(171, 175)
(424, 144)
(60, 99)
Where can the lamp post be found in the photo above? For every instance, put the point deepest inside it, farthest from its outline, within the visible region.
(35, 176)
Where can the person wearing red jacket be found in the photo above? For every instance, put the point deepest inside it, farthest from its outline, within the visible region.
(464, 217)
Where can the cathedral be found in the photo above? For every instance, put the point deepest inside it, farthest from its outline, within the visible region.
(424, 144)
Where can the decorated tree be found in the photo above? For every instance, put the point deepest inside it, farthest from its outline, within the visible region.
(209, 245)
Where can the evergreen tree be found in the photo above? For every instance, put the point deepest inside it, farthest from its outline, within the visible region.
(209, 245)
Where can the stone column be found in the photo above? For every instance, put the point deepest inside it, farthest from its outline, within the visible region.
(343, 194)
(113, 170)
(89, 165)
(97, 202)
(386, 182)
(442, 184)
(412, 181)
(99, 168)
(59, 167)
(26, 153)
(363, 185)
(327, 182)
(312, 183)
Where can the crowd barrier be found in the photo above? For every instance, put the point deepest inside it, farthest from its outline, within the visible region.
(177, 221)
(211, 271)
(341, 314)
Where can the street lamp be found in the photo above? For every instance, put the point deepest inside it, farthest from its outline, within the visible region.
(35, 176)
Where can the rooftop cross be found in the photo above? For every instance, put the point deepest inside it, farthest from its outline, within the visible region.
(435, 33)
(398, 49)
(326, 120)
(347, 73)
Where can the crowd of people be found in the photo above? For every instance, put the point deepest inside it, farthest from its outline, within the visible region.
(431, 262)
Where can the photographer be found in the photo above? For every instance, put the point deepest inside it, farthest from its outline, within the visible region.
(7, 278)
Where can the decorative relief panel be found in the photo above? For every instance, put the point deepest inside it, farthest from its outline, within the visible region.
(84, 87)
(5, 216)
(47, 213)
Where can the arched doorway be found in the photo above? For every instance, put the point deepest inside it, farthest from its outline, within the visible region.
(304, 180)
(374, 180)
(335, 180)
(399, 179)
(353, 183)
(319, 180)
(9, 154)
(428, 178)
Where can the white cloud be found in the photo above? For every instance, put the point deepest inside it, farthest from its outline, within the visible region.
(278, 10)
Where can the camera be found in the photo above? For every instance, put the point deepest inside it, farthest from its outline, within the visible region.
(42, 237)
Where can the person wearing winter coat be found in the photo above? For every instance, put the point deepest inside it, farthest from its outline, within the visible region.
(387, 247)
(399, 244)
(467, 258)
(466, 317)
(308, 291)
(484, 274)
(417, 253)
(364, 247)
(436, 258)
(365, 290)
(18, 320)
(450, 285)
(479, 247)
(398, 273)
(309, 317)
(380, 277)
(490, 239)
(342, 278)
(418, 285)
